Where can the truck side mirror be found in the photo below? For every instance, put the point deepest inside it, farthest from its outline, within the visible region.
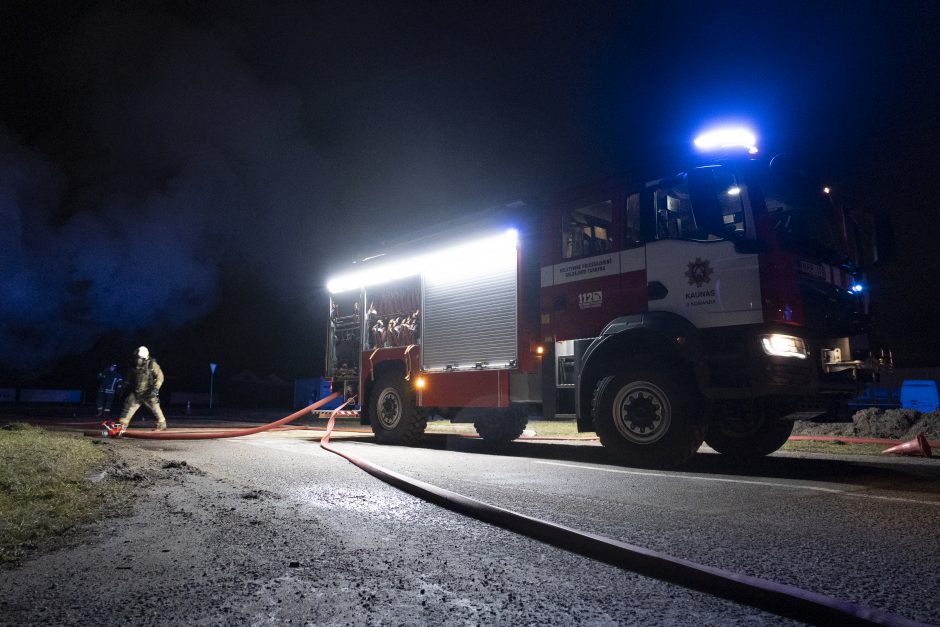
(648, 216)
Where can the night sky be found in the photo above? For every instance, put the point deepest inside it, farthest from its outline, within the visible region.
(185, 175)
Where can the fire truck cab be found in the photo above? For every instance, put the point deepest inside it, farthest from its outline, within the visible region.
(719, 303)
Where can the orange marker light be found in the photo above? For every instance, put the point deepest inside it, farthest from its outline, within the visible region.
(421, 383)
(540, 350)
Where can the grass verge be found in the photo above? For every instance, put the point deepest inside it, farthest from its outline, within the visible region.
(568, 428)
(45, 487)
(833, 447)
(560, 428)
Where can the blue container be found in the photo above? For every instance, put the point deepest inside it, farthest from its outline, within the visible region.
(308, 391)
(920, 395)
(876, 396)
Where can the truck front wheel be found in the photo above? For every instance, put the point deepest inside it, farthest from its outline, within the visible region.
(750, 439)
(648, 417)
(392, 411)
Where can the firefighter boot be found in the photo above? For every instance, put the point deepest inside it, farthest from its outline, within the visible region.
(161, 426)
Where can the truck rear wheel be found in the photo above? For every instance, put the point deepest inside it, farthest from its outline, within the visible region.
(648, 418)
(751, 439)
(501, 426)
(392, 411)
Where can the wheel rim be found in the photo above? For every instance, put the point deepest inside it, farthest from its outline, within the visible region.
(390, 410)
(642, 413)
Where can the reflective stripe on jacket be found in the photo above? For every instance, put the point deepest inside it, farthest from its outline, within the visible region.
(109, 381)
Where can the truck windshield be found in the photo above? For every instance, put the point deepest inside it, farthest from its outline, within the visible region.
(801, 214)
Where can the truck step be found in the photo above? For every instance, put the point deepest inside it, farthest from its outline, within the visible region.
(325, 413)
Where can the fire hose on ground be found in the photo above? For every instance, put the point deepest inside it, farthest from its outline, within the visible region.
(115, 430)
(780, 599)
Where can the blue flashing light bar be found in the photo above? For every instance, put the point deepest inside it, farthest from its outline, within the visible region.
(724, 138)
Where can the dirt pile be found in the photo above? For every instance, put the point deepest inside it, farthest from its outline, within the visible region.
(901, 424)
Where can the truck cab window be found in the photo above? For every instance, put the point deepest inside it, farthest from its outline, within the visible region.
(802, 215)
(586, 231)
(712, 210)
(673, 207)
(730, 193)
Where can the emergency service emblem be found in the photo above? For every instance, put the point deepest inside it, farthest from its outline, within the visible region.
(699, 272)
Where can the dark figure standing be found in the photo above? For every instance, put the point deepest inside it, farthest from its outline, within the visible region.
(109, 384)
(144, 380)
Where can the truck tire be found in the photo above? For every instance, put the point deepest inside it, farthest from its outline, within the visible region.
(392, 412)
(749, 440)
(501, 426)
(648, 417)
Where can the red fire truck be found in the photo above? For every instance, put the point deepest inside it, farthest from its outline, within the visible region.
(719, 303)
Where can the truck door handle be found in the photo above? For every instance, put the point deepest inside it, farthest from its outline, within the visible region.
(656, 290)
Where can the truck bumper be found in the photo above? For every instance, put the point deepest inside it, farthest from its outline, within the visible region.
(740, 369)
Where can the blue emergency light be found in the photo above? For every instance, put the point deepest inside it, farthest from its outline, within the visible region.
(727, 138)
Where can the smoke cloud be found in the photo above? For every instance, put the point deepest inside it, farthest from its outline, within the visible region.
(180, 160)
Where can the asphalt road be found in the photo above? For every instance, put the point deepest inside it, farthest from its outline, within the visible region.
(273, 529)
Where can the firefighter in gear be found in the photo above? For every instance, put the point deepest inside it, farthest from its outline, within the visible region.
(109, 384)
(144, 380)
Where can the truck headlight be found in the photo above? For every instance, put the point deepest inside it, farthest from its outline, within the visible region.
(784, 346)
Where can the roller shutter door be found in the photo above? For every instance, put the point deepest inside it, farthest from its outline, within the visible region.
(469, 315)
